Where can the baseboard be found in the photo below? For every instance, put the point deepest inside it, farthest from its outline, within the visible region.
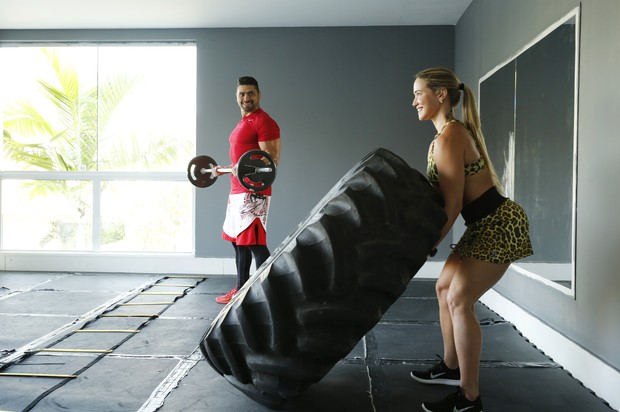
(595, 374)
(145, 263)
(116, 263)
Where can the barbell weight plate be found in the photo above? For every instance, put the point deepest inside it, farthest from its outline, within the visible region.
(249, 174)
(195, 170)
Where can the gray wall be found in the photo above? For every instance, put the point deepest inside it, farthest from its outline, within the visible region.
(337, 94)
(488, 34)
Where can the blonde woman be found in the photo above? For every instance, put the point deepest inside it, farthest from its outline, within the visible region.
(497, 232)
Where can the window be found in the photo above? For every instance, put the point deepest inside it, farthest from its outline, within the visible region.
(95, 143)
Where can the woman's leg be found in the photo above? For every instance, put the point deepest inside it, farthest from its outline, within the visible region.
(445, 320)
(469, 282)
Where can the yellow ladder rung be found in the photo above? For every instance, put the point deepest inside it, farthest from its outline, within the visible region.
(170, 285)
(160, 293)
(37, 375)
(187, 277)
(75, 350)
(106, 331)
(130, 315)
(147, 304)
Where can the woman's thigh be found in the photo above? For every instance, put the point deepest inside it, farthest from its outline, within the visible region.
(472, 278)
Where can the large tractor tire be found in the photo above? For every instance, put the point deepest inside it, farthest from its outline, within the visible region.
(328, 283)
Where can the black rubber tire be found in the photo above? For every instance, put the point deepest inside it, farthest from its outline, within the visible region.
(328, 283)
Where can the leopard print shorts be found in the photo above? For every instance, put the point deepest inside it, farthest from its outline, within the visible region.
(500, 237)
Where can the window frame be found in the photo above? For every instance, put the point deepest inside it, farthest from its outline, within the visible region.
(97, 177)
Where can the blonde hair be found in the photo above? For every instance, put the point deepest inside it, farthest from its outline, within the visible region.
(441, 77)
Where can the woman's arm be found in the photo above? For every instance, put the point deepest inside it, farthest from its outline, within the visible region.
(449, 154)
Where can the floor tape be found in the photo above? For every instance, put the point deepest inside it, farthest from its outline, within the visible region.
(157, 398)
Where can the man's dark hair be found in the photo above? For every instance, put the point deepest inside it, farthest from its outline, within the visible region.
(248, 81)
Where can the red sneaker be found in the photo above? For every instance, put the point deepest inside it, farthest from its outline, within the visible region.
(227, 297)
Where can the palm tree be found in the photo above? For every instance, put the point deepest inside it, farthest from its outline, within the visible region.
(62, 132)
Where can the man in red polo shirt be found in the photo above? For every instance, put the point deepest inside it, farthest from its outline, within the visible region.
(246, 213)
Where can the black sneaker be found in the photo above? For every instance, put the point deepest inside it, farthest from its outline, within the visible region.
(439, 374)
(457, 402)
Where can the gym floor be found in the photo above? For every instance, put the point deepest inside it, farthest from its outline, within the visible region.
(129, 342)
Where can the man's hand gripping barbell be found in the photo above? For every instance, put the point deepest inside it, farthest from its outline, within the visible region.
(256, 170)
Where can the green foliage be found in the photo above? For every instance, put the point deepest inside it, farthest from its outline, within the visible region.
(62, 132)
(113, 233)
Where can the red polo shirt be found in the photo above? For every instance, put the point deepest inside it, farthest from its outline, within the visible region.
(256, 127)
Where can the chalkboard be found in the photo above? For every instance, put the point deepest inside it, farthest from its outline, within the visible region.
(527, 111)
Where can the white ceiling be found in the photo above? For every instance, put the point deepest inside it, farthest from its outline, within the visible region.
(142, 14)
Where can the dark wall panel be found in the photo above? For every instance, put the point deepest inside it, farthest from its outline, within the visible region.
(497, 115)
(544, 113)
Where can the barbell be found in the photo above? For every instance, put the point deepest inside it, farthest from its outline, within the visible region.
(256, 170)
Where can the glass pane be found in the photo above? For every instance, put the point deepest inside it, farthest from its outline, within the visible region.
(146, 216)
(136, 105)
(48, 104)
(66, 108)
(147, 111)
(46, 215)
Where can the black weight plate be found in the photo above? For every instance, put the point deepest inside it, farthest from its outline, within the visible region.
(196, 174)
(249, 174)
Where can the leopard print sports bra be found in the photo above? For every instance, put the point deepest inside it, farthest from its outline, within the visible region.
(471, 169)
